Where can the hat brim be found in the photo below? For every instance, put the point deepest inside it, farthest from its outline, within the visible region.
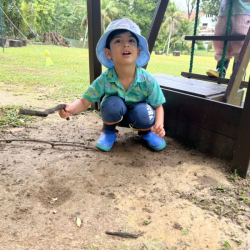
(108, 63)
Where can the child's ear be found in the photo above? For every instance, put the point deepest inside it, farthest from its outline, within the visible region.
(107, 53)
(138, 52)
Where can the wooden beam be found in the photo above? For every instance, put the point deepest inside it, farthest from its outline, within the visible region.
(216, 38)
(94, 24)
(156, 24)
(238, 72)
(211, 79)
(241, 160)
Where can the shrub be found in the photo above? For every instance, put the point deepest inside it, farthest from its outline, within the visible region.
(210, 45)
(201, 47)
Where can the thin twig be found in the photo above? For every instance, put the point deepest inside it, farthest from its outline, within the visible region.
(247, 247)
(123, 235)
(53, 144)
(146, 246)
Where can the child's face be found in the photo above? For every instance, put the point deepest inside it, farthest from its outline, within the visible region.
(123, 49)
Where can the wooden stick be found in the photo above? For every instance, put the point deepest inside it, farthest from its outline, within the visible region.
(53, 144)
(41, 113)
(123, 235)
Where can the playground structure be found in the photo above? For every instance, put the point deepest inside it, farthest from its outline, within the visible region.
(207, 117)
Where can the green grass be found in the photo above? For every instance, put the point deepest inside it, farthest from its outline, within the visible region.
(68, 78)
(9, 117)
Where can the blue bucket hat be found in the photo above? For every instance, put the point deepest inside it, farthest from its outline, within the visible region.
(125, 24)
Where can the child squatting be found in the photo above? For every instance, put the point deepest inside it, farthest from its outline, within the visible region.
(132, 97)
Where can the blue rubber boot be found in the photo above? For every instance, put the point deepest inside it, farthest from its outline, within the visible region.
(107, 137)
(106, 140)
(154, 141)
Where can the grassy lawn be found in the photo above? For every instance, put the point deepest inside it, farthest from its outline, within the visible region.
(69, 76)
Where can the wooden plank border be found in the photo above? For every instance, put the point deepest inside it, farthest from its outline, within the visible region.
(206, 125)
(220, 118)
(241, 160)
(94, 34)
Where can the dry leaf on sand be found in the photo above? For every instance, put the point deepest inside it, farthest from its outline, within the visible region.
(78, 222)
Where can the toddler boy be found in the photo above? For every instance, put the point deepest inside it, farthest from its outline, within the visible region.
(132, 97)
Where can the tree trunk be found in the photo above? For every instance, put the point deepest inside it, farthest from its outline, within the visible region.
(165, 45)
(189, 14)
(103, 25)
(54, 39)
(190, 9)
(169, 38)
(31, 11)
(85, 37)
(74, 32)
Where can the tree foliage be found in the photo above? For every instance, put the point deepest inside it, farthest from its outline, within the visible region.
(211, 7)
(184, 28)
(69, 17)
(9, 8)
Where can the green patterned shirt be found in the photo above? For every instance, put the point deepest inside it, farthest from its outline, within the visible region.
(144, 88)
(240, 7)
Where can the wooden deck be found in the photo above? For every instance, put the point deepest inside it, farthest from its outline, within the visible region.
(197, 88)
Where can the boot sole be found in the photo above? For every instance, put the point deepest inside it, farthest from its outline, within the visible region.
(159, 148)
(102, 147)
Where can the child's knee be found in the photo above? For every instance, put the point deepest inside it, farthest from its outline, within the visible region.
(112, 109)
(143, 116)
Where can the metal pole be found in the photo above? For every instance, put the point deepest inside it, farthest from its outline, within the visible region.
(1, 24)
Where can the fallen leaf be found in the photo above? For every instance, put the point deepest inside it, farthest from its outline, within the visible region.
(78, 222)
(53, 200)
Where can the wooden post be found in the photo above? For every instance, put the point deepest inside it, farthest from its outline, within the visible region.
(241, 160)
(94, 34)
(238, 72)
(156, 24)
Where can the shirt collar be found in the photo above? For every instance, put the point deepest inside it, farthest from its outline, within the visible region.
(112, 76)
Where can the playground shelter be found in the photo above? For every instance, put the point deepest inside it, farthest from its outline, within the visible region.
(208, 117)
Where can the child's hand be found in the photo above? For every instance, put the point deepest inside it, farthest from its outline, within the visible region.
(158, 129)
(68, 111)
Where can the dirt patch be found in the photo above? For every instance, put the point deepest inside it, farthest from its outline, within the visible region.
(206, 180)
(174, 199)
(54, 194)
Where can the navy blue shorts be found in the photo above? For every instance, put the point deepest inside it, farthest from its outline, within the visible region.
(140, 115)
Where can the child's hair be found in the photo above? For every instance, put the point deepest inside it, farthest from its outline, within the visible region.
(116, 33)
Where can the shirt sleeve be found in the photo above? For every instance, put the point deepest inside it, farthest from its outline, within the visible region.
(95, 90)
(156, 96)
